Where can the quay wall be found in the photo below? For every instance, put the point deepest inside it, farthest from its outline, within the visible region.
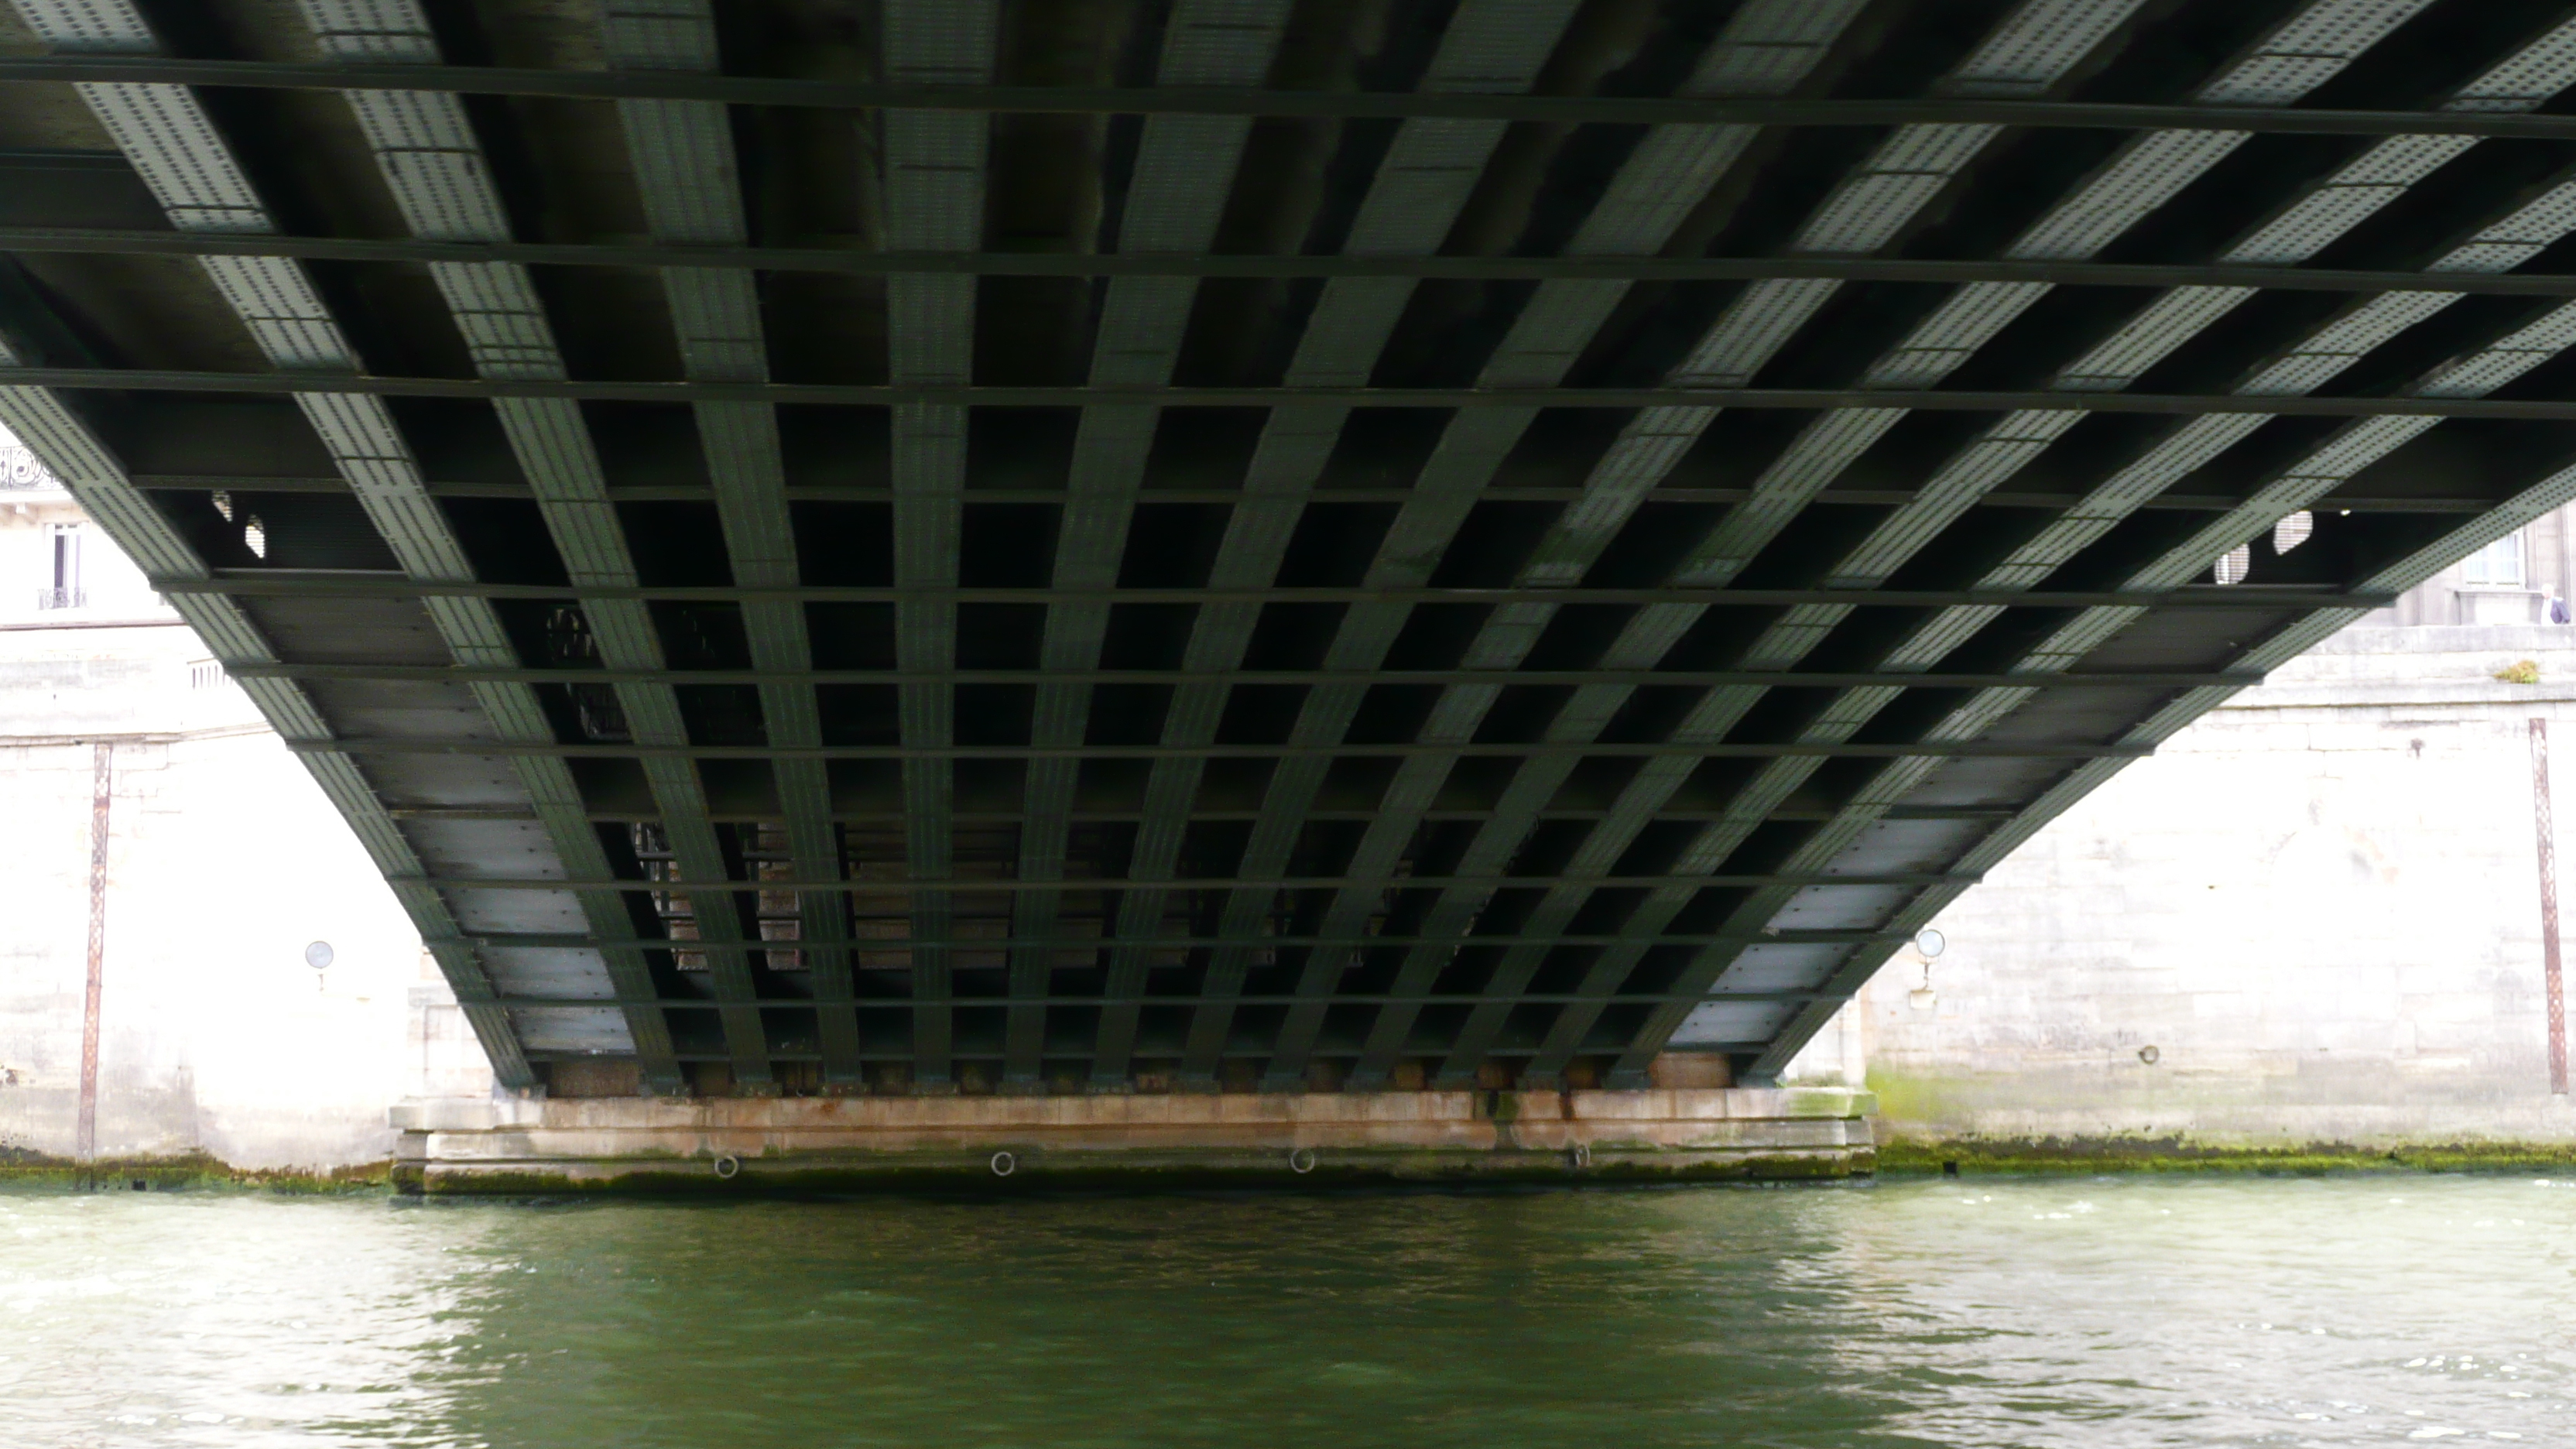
(224, 862)
(2313, 918)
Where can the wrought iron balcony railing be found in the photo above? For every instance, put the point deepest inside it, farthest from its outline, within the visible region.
(20, 468)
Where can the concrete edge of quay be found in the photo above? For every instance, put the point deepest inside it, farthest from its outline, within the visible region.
(504, 1146)
(541, 1161)
(641, 1144)
(1898, 1154)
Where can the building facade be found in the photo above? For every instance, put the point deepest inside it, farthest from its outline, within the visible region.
(56, 569)
(2526, 577)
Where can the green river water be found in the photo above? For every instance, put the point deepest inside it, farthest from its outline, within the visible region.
(2097, 1312)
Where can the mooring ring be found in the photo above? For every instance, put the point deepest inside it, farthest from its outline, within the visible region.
(1004, 1164)
(1579, 1155)
(1301, 1161)
(728, 1166)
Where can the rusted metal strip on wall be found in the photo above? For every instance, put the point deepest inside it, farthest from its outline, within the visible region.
(102, 782)
(2546, 831)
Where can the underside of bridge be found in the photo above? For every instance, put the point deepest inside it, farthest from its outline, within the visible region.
(1259, 545)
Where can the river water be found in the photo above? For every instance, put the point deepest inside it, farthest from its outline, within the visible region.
(2096, 1312)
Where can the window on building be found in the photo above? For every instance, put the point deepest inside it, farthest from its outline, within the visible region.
(63, 556)
(2499, 564)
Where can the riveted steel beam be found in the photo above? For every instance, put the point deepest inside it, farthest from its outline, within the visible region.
(499, 748)
(254, 583)
(1097, 883)
(1347, 105)
(1675, 678)
(907, 1003)
(2252, 405)
(850, 262)
(832, 493)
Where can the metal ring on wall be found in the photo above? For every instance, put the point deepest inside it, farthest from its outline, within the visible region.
(1579, 1155)
(1004, 1164)
(1302, 1161)
(728, 1166)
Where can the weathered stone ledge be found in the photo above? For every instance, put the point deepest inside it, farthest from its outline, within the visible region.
(183, 1172)
(1902, 1155)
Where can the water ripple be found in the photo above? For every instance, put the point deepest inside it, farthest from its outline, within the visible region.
(2100, 1313)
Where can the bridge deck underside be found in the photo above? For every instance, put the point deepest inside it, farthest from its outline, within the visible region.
(782, 624)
